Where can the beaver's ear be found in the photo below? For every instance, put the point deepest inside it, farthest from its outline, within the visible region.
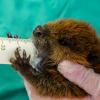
(94, 58)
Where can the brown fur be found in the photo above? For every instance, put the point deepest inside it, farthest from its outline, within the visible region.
(62, 40)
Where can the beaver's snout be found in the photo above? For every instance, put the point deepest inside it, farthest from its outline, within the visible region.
(42, 46)
(39, 32)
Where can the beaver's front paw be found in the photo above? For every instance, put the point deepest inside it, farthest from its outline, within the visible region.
(20, 63)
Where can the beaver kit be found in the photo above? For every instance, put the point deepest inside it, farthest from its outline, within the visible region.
(56, 41)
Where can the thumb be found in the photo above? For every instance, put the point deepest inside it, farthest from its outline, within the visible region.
(83, 77)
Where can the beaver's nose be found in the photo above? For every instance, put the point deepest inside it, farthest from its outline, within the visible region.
(38, 32)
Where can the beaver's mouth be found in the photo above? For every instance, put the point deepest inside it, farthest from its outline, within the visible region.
(42, 53)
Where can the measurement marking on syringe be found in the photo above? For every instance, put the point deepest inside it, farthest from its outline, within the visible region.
(2, 47)
(9, 45)
(13, 39)
(7, 41)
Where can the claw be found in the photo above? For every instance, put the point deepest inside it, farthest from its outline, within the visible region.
(12, 60)
(28, 58)
(24, 57)
(24, 54)
(17, 54)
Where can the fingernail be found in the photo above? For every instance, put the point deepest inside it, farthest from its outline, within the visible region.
(67, 66)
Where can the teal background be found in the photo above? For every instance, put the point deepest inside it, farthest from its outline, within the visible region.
(21, 16)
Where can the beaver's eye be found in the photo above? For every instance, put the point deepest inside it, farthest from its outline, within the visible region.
(63, 41)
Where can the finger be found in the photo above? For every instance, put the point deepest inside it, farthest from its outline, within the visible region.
(17, 54)
(84, 78)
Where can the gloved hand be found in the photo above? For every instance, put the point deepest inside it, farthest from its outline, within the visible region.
(84, 78)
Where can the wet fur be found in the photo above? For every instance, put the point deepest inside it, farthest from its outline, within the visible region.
(60, 40)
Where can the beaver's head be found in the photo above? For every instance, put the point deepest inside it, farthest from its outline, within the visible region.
(67, 40)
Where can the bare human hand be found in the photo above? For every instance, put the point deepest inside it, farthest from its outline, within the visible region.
(84, 78)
